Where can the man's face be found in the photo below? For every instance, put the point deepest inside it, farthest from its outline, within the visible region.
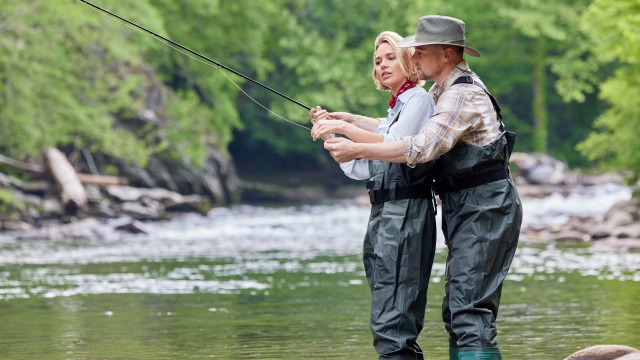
(429, 61)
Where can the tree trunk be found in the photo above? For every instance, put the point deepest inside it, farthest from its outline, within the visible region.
(71, 190)
(540, 113)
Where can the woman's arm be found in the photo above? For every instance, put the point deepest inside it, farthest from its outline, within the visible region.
(359, 121)
(356, 127)
(357, 169)
(323, 127)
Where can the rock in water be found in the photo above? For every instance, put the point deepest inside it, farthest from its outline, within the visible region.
(603, 352)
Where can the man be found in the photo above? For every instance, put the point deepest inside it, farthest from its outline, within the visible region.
(481, 209)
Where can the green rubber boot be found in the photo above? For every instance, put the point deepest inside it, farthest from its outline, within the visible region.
(493, 354)
(453, 353)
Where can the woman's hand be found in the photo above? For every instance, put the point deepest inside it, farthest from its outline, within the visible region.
(325, 128)
(322, 126)
(318, 114)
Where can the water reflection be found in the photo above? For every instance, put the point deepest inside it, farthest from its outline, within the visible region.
(282, 283)
(223, 253)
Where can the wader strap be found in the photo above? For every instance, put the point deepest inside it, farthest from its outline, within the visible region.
(400, 193)
(473, 181)
(469, 80)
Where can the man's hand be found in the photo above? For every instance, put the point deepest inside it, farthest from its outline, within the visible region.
(342, 150)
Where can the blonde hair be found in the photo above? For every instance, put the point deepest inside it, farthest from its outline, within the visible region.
(402, 54)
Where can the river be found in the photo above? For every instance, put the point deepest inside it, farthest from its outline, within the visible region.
(288, 283)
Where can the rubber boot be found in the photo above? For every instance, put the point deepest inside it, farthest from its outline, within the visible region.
(453, 353)
(493, 354)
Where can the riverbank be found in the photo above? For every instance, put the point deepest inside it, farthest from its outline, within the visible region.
(560, 205)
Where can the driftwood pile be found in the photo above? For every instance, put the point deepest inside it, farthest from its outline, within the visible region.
(57, 192)
(70, 183)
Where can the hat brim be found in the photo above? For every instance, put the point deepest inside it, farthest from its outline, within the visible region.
(411, 41)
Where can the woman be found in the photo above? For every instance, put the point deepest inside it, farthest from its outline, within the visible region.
(400, 241)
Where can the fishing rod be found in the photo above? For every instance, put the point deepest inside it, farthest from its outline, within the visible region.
(194, 53)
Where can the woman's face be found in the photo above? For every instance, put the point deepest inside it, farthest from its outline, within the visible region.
(388, 68)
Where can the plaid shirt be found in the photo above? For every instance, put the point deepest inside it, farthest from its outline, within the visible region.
(464, 115)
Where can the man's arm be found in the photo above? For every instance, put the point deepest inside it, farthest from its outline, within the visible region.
(343, 150)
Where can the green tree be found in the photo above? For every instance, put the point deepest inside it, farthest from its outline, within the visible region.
(614, 29)
(65, 75)
(72, 77)
(231, 33)
(323, 56)
(551, 28)
(533, 60)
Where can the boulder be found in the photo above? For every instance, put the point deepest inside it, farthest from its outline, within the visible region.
(87, 229)
(152, 210)
(539, 169)
(623, 212)
(132, 227)
(602, 352)
(216, 180)
(631, 356)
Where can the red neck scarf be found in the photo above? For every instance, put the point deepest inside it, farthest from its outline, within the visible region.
(406, 86)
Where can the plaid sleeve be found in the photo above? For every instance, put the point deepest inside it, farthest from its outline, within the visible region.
(455, 114)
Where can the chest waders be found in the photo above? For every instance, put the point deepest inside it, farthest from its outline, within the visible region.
(398, 252)
(481, 219)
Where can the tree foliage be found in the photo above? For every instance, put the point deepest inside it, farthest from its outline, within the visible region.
(73, 77)
(614, 29)
(65, 75)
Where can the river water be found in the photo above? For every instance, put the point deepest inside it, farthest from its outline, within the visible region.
(288, 283)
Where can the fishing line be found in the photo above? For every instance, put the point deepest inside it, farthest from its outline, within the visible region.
(200, 58)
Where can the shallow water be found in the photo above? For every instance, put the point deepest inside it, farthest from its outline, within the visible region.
(284, 283)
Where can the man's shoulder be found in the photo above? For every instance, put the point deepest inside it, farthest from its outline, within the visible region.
(468, 91)
(467, 85)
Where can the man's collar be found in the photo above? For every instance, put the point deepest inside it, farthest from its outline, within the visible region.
(459, 70)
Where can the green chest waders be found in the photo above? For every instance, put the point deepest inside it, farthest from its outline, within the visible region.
(481, 219)
(398, 252)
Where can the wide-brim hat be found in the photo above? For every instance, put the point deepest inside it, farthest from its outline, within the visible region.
(435, 29)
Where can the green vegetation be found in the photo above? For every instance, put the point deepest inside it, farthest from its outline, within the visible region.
(616, 40)
(9, 205)
(563, 72)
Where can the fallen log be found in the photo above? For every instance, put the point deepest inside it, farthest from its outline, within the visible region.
(7, 180)
(72, 192)
(101, 180)
(33, 168)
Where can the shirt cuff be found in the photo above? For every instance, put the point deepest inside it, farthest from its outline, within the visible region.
(409, 154)
(389, 138)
